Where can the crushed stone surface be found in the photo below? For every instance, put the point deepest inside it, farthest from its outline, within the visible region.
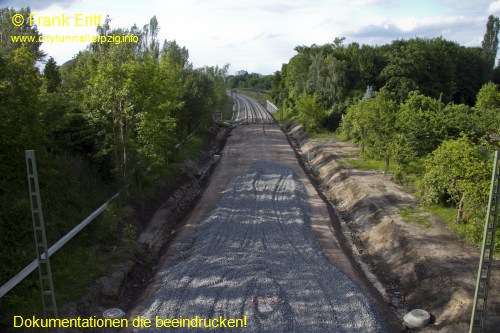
(256, 255)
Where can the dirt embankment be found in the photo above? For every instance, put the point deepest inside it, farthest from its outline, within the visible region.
(427, 268)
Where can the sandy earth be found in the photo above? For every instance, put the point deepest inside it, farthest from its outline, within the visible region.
(247, 145)
(427, 268)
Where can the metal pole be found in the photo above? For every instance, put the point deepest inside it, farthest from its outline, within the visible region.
(43, 257)
(487, 251)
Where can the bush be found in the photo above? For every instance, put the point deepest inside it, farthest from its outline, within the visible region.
(458, 173)
(311, 114)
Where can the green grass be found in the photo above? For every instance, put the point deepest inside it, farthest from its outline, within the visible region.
(286, 116)
(262, 97)
(346, 155)
(414, 215)
(370, 164)
(447, 214)
(341, 136)
(469, 230)
(71, 281)
(322, 135)
(191, 148)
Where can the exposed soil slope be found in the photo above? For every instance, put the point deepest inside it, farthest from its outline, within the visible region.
(428, 268)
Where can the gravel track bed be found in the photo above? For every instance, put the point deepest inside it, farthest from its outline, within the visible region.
(258, 243)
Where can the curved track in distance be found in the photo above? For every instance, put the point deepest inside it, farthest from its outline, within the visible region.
(250, 111)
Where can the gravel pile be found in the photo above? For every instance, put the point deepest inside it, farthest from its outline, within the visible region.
(256, 256)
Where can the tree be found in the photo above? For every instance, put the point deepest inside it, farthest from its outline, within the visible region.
(149, 43)
(472, 72)
(457, 173)
(198, 100)
(157, 98)
(109, 108)
(7, 46)
(487, 109)
(372, 123)
(326, 79)
(175, 53)
(52, 75)
(20, 127)
(311, 113)
(297, 71)
(218, 76)
(490, 40)
(420, 123)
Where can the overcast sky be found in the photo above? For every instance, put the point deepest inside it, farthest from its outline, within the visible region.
(260, 35)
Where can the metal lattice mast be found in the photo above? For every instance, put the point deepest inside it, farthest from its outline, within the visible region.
(45, 272)
(487, 251)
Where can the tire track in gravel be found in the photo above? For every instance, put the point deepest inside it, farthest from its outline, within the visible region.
(258, 242)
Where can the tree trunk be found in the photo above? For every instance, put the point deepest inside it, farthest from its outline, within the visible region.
(458, 219)
(115, 148)
(123, 129)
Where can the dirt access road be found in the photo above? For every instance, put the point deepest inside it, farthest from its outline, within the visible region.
(260, 243)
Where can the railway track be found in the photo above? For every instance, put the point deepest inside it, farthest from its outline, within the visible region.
(249, 111)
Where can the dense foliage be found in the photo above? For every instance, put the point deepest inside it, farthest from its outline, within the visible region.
(339, 74)
(251, 81)
(425, 105)
(112, 116)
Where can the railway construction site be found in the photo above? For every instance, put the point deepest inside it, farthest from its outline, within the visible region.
(285, 236)
(260, 244)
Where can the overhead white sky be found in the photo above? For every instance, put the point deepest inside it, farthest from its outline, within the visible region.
(260, 35)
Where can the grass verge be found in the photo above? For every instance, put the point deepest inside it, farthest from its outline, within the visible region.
(415, 215)
(370, 164)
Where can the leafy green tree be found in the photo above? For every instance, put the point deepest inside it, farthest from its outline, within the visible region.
(218, 76)
(327, 78)
(456, 120)
(420, 126)
(108, 107)
(311, 113)
(175, 53)
(457, 173)
(487, 109)
(372, 123)
(490, 40)
(369, 62)
(472, 72)
(149, 44)
(251, 81)
(7, 29)
(198, 102)
(297, 71)
(427, 65)
(279, 92)
(155, 96)
(76, 133)
(20, 128)
(52, 75)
